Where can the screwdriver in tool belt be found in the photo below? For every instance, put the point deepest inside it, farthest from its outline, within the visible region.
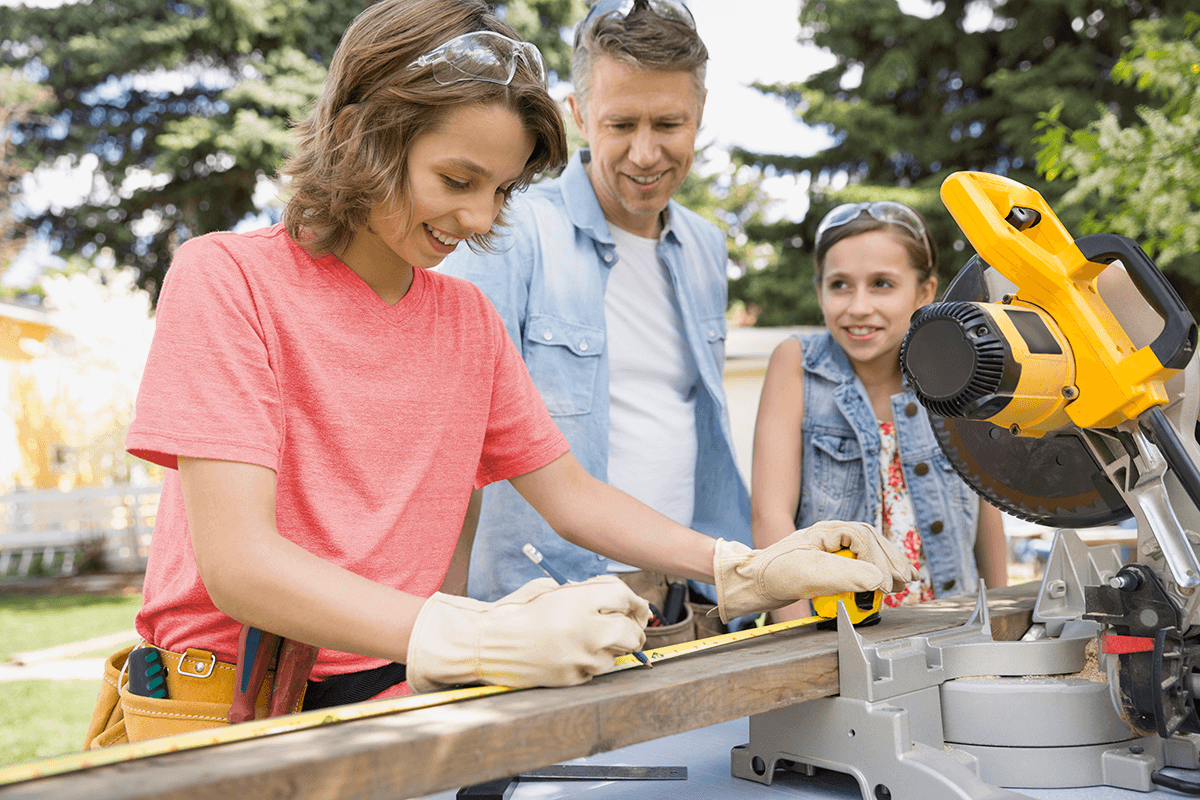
(537, 558)
(256, 648)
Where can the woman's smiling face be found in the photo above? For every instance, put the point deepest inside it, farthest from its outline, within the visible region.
(868, 292)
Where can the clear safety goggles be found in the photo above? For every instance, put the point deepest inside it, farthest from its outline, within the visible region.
(888, 211)
(481, 56)
(667, 9)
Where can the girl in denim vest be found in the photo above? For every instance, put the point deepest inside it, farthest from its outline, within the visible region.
(839, 433)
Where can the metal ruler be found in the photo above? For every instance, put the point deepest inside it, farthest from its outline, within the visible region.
(253, 729)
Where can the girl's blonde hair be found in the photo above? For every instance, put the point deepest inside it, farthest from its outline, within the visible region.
(352, 150)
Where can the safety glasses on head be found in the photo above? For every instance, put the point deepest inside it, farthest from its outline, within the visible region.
(667, 9)
(481, 56)
(883, 210)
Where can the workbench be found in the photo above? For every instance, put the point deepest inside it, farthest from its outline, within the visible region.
(705, 753)
(420, 752)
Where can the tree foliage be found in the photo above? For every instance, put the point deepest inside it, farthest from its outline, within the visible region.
(911, 100)
(181, 109)
(1141, 180)
(20, 100)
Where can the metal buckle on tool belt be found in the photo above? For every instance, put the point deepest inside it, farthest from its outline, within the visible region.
(195, 655)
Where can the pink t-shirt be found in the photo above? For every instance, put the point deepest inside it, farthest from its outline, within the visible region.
(377, 419)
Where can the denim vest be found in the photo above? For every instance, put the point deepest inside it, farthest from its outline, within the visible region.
(840, 465)
(547, 280)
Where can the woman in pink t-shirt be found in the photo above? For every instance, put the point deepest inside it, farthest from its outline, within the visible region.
(325, 404)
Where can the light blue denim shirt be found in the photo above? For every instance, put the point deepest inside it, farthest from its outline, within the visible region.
(547, 281)
(840, 465)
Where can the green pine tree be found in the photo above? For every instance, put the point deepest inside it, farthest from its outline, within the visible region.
(184, 108)
(911, 100)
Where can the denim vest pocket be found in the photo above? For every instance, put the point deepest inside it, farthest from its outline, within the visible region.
(834, 485)
(562, 358)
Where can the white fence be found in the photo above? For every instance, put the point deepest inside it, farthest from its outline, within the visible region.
(52, 528)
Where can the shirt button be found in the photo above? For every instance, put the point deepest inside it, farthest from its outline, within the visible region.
(910, 410)
(920, 469)
(936, 526)
(948, 585)
(547, 335)
(583, 345)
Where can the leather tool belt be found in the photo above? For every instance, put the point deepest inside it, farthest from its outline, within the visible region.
(200, 691)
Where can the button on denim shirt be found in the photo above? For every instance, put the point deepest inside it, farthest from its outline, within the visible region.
(840, 465)
(547, 281)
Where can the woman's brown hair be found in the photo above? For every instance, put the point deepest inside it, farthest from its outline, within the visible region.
(352, 150)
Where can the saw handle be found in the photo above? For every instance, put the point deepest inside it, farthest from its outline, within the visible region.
(1175, 345)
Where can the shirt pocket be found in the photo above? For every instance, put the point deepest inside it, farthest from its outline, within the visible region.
(563, 358)
(834, 486)
(713, 330)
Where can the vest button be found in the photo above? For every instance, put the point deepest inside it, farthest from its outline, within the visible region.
(921, 468)
(948, 585)
(547, 335)
(583, 345)
(937, 526)
(910, 410)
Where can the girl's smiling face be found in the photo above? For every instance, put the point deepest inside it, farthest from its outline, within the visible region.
(868, 292)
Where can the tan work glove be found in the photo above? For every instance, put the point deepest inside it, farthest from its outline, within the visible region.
(543, 634)
(803, 565)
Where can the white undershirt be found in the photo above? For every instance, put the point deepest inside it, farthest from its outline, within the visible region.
(653, 382)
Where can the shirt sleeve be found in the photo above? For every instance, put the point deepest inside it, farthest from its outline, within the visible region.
(208, 390)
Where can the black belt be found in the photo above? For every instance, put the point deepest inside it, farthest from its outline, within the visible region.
(352, 687)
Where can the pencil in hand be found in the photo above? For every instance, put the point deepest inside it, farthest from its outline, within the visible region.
(537, 558)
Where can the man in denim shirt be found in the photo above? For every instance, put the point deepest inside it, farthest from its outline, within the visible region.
(615, 295)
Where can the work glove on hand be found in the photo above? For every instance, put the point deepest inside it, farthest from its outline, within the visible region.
(543, 634)
(803, 564)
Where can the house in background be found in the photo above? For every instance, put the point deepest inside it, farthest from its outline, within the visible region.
(30, 445)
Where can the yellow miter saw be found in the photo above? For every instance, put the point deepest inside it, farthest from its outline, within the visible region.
(1058, 374)
(1063, 384)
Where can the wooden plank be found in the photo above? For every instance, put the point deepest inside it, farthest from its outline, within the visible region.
(427, 750)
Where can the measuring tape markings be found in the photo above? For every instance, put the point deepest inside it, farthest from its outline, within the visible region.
(254, 729)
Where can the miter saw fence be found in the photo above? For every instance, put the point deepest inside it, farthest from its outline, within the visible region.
(1063, 384)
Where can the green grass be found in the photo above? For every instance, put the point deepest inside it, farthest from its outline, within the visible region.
(41, 718)
(31, 622)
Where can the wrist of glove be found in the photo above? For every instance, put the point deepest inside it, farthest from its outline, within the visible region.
(543, 634)
(803, 564)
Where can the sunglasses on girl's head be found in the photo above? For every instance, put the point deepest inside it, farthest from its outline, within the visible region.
(481, 56)
(882, 210)
(667, 9)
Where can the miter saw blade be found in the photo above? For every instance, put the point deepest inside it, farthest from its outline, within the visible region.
(1052, 481)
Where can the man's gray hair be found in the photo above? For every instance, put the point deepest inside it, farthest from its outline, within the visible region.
(643, 40)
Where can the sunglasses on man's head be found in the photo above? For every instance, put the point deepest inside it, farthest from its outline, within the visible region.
(667, 9)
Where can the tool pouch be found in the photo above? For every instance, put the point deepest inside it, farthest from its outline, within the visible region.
(199, 694)
(682, 631)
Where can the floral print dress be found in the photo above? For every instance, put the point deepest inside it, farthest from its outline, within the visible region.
(898, 521)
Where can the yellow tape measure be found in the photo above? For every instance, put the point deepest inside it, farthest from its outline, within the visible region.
(860, 607)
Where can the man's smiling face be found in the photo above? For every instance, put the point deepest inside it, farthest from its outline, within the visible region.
(641, 128)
